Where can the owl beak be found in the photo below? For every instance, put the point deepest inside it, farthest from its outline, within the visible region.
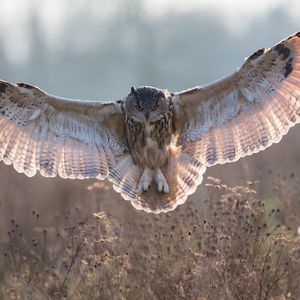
(147, 115)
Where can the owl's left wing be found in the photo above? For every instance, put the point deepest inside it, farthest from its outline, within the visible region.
(243, 113)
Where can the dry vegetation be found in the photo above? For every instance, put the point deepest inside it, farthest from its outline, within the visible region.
(239, 247)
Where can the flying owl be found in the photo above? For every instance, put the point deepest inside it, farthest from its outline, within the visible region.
(154, 145)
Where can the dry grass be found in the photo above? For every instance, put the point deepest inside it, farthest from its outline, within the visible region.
(239, 247)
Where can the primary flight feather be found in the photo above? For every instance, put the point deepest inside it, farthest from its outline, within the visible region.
(153, 145)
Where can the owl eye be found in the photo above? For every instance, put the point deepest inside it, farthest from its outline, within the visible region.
(155, 107)
(138, 107)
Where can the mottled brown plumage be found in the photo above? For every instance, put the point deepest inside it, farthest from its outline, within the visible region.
(158, 129)
(154, 146)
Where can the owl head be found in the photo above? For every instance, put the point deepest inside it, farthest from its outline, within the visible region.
(147, 104)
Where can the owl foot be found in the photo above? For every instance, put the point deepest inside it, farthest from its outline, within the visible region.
(145, 180)
(161, 182)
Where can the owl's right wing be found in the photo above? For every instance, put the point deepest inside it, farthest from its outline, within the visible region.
(243, 113)
(57, 136)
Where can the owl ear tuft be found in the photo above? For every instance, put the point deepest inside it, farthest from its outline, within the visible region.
(133, 90)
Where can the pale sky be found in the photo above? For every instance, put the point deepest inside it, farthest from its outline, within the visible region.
(237, 16)
(232, 8)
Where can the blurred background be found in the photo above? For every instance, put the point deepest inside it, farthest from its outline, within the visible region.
(99, 49)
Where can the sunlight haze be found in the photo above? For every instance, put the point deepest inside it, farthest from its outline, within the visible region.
(53, 15)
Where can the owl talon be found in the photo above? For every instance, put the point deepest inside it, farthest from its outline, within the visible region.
(161, 182)
(143, 187)
(163, 187)
(145, 181)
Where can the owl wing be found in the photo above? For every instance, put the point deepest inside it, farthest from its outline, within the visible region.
(245, 112)
(57, 136)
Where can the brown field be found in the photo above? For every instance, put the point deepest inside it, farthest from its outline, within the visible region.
(80, 240)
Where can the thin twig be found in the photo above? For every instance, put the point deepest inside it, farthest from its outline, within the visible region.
(74, 257)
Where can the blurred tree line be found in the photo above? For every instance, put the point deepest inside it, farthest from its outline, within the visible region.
(101, 50)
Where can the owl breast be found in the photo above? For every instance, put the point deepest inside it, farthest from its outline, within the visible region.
(149, 142)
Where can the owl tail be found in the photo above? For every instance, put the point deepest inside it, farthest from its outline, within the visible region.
(125, 178)
(182, 172)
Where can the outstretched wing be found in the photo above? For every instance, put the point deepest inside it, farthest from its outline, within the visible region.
(71, 138)
(243, 113)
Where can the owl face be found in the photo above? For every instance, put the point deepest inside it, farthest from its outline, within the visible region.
(147, 104)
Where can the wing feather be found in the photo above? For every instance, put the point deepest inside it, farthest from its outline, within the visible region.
(58, 136)
(245, 112)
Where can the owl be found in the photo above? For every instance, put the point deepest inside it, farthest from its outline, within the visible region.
(154, 145)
